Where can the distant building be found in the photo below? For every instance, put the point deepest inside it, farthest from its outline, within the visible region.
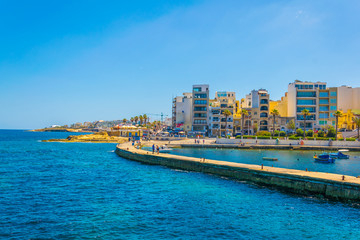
(200, 108)
(182, 112)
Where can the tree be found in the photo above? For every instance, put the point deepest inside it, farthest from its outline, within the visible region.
(356, 120)
(124, 120)
(145, 119)
(136, 118)
(244, 113)
(255, 127)
(275, 113)
(131, 120)
(305, 113)
(141, 118)
(291, 125)
(337, 114)
(226, 113)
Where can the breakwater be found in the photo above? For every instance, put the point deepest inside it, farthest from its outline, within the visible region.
(332, 186)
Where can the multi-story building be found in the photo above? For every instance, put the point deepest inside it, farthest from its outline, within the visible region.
(214, 118)
(321, 101)
(226, 101)
(182, 112)
(306, 95)
(200, 109)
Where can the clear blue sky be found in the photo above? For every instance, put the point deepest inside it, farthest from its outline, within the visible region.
(74, 61)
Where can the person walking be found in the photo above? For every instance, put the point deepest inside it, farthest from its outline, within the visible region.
(153, 148)
(157, 149)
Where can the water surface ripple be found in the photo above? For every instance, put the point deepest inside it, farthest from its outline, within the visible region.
(85, 191)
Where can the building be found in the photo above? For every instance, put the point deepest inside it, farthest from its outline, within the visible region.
(226, 101)
(321, 101)
(280, 105)
(182, 112)
(200, 109)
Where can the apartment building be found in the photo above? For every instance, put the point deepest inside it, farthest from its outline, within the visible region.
(226, 101)
(200, 109)
(182, 112)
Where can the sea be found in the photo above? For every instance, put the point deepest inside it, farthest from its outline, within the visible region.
(52, 190)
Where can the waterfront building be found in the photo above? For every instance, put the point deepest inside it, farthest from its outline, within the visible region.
(214, 118)
(126, 131)
(200, 108)
(321, 101)
(280, 105)
(182, 112)
(227, 101)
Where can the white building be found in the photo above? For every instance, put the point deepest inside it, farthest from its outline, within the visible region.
(182, 112)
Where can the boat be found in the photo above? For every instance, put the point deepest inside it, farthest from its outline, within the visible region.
(340, 155)
(165, 149)
(324, 158)
(269, 159)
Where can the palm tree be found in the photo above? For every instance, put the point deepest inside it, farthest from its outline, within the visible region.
(145, 118)
(131, 120)
(141, 118)
(124, 120)
(337, 114)
(136, 118)
(356, 120)
(275, 113)
(305, 113)
(226, 113)
(244, 113)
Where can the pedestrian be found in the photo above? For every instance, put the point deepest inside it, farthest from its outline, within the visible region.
(153, 148)
(195, 140)
(157, 149)
(203, 141)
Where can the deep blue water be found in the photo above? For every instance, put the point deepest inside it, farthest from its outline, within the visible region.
(85, 191)
(286, 159)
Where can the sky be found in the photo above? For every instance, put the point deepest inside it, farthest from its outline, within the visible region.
(74, 61)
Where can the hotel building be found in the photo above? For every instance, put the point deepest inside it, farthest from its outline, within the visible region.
(200, 109)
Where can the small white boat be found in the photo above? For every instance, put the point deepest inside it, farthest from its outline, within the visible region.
(165, 149)
(269, 159)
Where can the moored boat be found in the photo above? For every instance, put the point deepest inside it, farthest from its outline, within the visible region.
(269, 159)
(324, 158)
(340, 154)
(165, 149)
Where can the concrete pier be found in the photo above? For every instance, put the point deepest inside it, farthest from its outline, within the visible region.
(332, 186)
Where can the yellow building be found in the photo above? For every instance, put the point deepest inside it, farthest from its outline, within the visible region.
(346, 121)
(280, 105)
(126, 131)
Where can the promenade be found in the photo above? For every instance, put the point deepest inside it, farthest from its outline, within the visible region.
(333, 186)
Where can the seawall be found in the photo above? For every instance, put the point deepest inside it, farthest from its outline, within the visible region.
(328, 185)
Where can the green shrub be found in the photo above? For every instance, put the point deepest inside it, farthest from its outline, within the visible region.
(310, 138)
(276, 133)
(263, 133)
(351, 139)
(238, 136)
(282, 133)
(331, 132)
(249, 137)
(294, 138)
(309, 133)
(299, 132)
(320, 133)
(263, 137)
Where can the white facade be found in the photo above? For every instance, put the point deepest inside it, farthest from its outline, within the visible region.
(348, 98)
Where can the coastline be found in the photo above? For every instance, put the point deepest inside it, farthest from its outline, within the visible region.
(328, 185)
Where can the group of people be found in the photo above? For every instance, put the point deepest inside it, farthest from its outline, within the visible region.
(198, 141)
(157, 148)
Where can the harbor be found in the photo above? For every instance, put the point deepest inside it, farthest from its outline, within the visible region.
(333, 186)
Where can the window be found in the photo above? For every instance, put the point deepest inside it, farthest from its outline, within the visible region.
(199, 108)
(323, 94)
(197, 89)
(263, 101)
(306, 102)
(202, 115)
(200, 95)
(333, 94)
(306, 94)
(323, 115)
(263, 115)
(333, 108)
(333, 100)
(324, 101)
(264, 108)
(323, 108)
(199, 121)
(311, 109)
(323, 122)
(202, 102)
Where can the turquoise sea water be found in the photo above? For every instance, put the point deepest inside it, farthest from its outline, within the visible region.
(300, 160)
(85, 191)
